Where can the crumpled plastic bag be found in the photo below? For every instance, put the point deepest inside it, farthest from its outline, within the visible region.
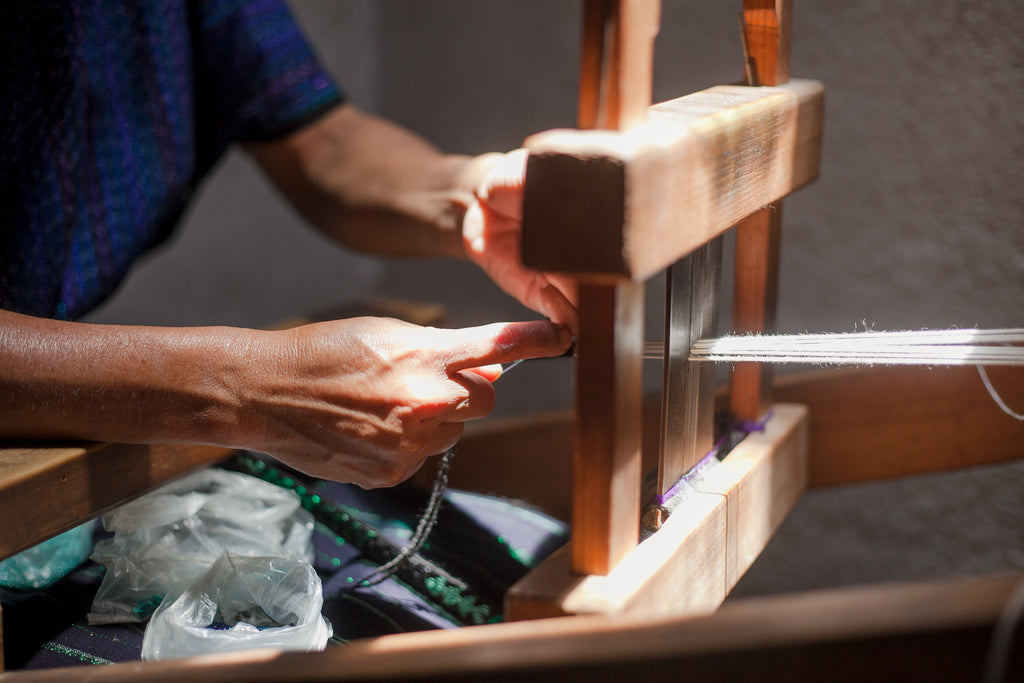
(241, 603)
(164, 540)
(48, 562)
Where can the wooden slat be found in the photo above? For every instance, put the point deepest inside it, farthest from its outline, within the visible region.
(629, 204)
(45, 491)
(879, 423)
(615, 89)
(935, 631)
(766, 38)
(698, 555)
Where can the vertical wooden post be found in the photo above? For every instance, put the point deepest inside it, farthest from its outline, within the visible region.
(766, 37)
(615, 91)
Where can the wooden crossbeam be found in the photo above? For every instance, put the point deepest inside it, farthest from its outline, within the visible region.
(628, 204)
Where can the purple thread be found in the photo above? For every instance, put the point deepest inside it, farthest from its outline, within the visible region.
(745, 427)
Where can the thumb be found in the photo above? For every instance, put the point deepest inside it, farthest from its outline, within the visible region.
(502, 188)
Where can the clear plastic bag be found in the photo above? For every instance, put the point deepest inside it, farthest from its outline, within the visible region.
(49, 561)
(164, 540)
(241, 603)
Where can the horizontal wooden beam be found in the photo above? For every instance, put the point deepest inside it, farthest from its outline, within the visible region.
(935, 631)
(883, 422)
(691, 563)
(47, 490)
(627, 204)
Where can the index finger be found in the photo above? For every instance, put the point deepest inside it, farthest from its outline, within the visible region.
(505, 342)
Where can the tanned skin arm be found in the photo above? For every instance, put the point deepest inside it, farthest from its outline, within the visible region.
(363, 400)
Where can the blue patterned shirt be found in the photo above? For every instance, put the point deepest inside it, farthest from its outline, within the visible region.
(112, 112)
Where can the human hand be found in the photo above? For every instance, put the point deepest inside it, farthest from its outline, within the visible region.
(491, 232)
(368, 400)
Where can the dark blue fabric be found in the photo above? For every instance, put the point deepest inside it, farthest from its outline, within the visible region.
(110, 115)
(487, 542)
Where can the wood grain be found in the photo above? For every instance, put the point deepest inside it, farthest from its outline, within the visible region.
(755, 292)
(616, 63)
(933, 631)
(607, 425)
(47, 490)
(767, 29)
(615, 92)
(767, 34)
(692, 293)
(628, 204)
(691, 563)
(878, 423)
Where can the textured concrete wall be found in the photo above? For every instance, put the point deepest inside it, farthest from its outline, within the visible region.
(915, 222)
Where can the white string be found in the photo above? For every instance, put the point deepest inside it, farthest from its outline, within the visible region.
(995, 395)
(923, 347)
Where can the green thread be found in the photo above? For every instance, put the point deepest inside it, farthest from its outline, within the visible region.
(75, 653)
(420, 576)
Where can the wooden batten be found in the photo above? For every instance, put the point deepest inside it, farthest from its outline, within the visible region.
(627, 204)
(692, 562)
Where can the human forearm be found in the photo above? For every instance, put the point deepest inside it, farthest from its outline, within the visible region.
(373, 185)
(118, 383)
(378, 188)
(365, 400)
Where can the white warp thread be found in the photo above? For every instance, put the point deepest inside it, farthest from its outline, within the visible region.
(923, 347)
(995, 395)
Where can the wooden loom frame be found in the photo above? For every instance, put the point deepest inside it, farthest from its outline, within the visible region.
(637, 627)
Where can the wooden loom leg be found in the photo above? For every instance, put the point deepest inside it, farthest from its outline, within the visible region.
(606, 438)
(615, 91)
(766, 37)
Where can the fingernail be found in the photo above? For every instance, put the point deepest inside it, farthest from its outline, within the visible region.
(564, 336)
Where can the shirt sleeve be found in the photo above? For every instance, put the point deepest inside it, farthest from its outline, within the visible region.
(257, 77)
